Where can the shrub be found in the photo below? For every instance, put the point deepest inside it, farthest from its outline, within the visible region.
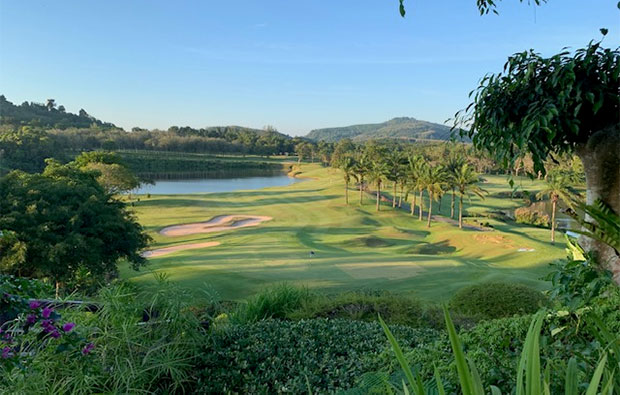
(274, 356)
(497, 300)
(531, 216)
(274, 302)
(363, 306)
(127, 355)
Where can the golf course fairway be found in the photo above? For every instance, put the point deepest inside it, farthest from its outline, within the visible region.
(354, 246)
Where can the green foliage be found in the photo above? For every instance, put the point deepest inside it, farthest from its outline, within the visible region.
(364, 306)
(111, 172)
(531, 216)
(604, 225)
(544, 105)
(273, 302)
(405, 129)
(496, 300)
(128, 355)
(578, 279)
(26, 148)
(45, 115)
(65, 221)
(275, 356)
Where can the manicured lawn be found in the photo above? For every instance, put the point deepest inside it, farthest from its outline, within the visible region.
(354, 246)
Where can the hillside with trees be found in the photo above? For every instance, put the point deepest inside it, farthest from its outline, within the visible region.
(47, 115)
(402, 128)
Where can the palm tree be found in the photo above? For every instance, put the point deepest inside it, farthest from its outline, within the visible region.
(393, 162)
(348, 169)
(435, 181)
(362, 166)
(453, 165)
(378, 172)
(413, 174)
(465, 180)
(557, 187)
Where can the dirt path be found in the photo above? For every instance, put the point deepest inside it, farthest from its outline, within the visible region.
(216, 224)
(182, 247)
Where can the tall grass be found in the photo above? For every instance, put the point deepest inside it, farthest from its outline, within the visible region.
(273, 302)
(530, 377)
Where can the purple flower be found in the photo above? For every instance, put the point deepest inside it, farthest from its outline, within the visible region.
(88, 348)
(55, 334)
(47, 326)
(31, 319)
(6, 352)
(46, 312)
(34, 304)
(68, 326)
(8, 338)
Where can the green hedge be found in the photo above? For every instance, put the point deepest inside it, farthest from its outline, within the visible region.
(274, 356)
(497, 300)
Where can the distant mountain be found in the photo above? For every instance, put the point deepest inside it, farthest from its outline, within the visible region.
(47, 115)
(402, 128)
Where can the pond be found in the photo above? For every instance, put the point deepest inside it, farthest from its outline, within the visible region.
(210, 185)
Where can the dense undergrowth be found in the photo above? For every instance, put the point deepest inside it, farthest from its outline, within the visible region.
(291, 340)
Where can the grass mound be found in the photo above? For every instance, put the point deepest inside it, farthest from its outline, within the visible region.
(497, 300)
(369, 241)
(439, 248)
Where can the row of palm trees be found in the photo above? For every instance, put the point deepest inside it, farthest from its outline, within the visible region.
(413, 175)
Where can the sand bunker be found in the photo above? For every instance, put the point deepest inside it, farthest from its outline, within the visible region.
(216, 224)
(182, 247)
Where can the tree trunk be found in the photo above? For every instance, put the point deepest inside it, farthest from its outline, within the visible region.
(57, 289)
(421, 205)
(361, 191)
(430, 209)
(452, 205)
(400, 197)
(461, 212)
(346, 192)
(394, 195)
(553, 205)
(601, 162)
(439, 206)
(413, 204)
(378, 195)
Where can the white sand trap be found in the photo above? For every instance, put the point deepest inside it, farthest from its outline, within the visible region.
(182, 247)
(216, 224)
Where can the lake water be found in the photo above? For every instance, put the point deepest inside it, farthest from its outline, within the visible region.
(210, 185)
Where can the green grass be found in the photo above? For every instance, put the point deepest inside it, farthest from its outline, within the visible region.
(355, 248)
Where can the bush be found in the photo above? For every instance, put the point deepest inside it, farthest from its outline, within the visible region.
(363, 306)
(497, 300)
(531, 216)
(275, 356)
(274, 302)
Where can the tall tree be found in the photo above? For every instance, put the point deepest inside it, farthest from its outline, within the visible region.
(556, 187)
(348, 171)
(378, 173)
(414, 174)
(362, 168)
(66, 222)
(435, 181)
(565, 103)
(453, 164)
(465, 180)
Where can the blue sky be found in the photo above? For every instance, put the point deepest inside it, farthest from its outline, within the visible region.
(297, 65)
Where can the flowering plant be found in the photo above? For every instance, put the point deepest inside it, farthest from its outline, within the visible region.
(37, 330)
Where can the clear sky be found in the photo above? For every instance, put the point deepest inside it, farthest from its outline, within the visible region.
(296, 65)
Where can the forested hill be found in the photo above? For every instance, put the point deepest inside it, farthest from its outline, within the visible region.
(403, 128)
(46, 115)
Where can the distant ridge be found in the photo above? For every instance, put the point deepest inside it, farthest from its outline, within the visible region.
(401, 128)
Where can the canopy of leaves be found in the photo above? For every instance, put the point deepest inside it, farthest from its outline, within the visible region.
(544, 105)
(62, 221)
